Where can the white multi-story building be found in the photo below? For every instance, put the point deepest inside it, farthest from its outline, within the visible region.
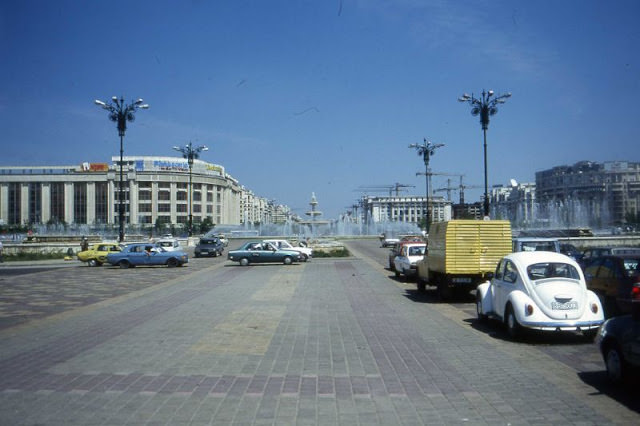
(155, 188)
(409, 209)
(516, 202)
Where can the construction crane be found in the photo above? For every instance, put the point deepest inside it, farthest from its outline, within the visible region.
(380, 188)
(449, 188)
(430, 173)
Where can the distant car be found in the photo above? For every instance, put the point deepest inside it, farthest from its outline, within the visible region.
(542, 291)
(223, 238)
(388, 242)
(147, 254)
(262, 252)
(571, 251)
(536, 244)
(393, 253)
(306, 253)
(619, 342)
(612, 278)
(209, 247)
(405, 261)
(169, 244)
(96, 255)
(591, 253)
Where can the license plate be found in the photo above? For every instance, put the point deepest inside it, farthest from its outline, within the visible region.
(462, 280)
(556, 306)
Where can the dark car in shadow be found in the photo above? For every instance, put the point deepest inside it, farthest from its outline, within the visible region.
(209, 247)
(619, 342)
(612, 279)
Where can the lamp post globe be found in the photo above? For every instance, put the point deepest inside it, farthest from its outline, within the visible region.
(190, 153)
(121, 113)
(426, 150)
(484, 107)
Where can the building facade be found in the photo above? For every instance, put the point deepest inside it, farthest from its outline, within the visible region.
(407, 209)
(516, 202)
(589, 193)
(156, 189)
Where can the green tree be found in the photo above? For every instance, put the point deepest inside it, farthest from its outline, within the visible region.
(206, 225)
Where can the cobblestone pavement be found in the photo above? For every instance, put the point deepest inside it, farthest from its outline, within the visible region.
(331, 341)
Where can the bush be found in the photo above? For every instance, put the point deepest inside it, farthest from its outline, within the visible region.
(33, 256)
(341, 252)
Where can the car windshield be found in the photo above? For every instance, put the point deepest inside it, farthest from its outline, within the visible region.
(416, 251)
(539, 271)
(538, 246)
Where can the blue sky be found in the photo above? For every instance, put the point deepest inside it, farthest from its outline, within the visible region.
(324, 96)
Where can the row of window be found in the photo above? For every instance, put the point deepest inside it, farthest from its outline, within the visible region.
(57, 202)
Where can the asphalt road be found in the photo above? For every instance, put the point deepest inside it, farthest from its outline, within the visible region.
(331, 341)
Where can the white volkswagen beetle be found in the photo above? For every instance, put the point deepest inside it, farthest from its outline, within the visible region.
(542, 291)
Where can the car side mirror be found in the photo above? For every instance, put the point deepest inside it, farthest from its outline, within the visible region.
(490, 275)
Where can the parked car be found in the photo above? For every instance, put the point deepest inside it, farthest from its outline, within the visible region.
(571, 251)
(306, 253)
(405, 262)
(169, 244)
(147, 254)
(262, 252)
(96, 255)
(536, 244)
(542, 291)
(394, 252)
(612, 278)
(223, 239)
(619, 342)
(593, 252)
(388, 241)
(209, 247)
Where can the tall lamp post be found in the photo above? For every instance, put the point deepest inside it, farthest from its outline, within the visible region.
(485, 107)
(190, 153)
(120, 113)
(426, 149)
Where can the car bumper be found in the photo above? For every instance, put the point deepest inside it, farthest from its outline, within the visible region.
(562, 325)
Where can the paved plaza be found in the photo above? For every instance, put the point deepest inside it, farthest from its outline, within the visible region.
(327, 342)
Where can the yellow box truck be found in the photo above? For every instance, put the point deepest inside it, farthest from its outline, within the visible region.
(460, 254)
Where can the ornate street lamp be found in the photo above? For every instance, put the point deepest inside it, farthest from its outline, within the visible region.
(120, 113)
(485, 107)
(427, 149)
(190, 153)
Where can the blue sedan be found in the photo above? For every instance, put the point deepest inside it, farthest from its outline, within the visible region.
(262, 252)
(147, 255)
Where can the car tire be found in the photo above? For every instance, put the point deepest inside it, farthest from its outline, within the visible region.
(482, 317)
(287, 260)
(123, 264)
(244, 262)
(396, 272)
(615, 363)
(305, 257)
(422, 286)
(172, 263)
(92, 262)
(513, 327)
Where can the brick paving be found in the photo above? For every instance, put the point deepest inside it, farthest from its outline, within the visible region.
(326, 342)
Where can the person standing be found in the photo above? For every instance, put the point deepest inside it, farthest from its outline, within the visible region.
(1, 248)
(84, 244)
